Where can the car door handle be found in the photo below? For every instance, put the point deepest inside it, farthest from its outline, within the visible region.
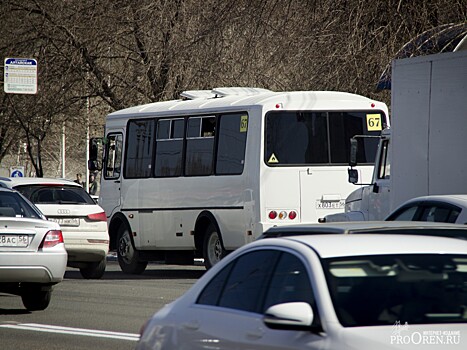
(255, 334)
(117, 181)
(192, 326)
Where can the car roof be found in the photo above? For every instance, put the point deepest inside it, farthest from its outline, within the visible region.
(15, 181)
(338, 245)
(386, 227)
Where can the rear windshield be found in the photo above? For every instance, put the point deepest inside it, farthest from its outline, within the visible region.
(321, 138)
(12, 204)
(55, 194)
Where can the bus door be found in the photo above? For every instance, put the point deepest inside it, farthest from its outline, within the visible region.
(322, 192)
(109, 198)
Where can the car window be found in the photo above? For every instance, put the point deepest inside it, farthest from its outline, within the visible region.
(432, 212)
(13, 204)
(211, 293)
(289, 283)
(43, 194)
(404, 214)
(439, 214)
(384, 289)
(248, 281)
(258, 280)
(242, 284)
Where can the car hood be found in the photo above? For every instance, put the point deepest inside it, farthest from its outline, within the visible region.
(405, 336)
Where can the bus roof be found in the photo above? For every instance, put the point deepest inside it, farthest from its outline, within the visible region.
(234, 98)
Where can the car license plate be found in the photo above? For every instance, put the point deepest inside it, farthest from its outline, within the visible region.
(14, 240)
(66, 221)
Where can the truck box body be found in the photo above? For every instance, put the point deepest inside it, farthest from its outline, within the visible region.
(429, 126)
(427, 144)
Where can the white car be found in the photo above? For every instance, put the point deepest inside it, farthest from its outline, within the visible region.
(324, 291)
(82, 221)
(32, 254)
(436, 208)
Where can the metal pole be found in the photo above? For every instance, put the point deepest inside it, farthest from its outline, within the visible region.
(87, 142)
(63, 151)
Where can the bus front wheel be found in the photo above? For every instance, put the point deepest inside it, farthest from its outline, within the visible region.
(127, 255)
(213, 250)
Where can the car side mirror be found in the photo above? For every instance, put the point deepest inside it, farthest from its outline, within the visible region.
(289, 316)
(353, 175)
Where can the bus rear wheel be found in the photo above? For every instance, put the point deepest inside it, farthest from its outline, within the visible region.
(127, 255)
(213, 249)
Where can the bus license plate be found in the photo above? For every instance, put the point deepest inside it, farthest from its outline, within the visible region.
(14, 240)
(330, 204)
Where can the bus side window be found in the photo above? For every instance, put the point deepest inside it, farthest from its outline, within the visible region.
(200, 145)
(231, 144)
(169, 147)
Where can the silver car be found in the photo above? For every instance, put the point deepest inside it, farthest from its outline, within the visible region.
(82, 221)
(32, 253)
(334, 289)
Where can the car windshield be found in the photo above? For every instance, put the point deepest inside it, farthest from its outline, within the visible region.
(55, 194)
(386, 289)
(12, 204)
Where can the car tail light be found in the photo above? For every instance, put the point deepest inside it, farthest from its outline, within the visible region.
(51, 239)
(292, 215)
(97, 217)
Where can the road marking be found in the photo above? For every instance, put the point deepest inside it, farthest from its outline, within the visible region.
(74, 331)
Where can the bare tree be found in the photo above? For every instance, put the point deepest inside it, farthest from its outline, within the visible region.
(100, 55)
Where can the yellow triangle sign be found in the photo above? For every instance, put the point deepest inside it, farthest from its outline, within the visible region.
(273, 159)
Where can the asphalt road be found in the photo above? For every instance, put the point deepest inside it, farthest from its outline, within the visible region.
(94, 314)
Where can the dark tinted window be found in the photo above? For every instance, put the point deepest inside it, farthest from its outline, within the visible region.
(427, 212)
(169, 147)
(14, 205)
(231, 145)
(248, 281)
(139, 151)
(439, 214)
(200, 145)
(295, 138)
(404, 214)
(55, 194)
(211, 293)
(289, 283)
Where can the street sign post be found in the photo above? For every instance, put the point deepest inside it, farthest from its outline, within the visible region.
(20, 76)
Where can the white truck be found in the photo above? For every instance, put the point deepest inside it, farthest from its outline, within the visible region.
(423, 153)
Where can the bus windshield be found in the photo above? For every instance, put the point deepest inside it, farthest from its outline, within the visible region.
(320, 138)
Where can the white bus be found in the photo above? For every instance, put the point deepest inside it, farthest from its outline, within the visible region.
(201, 176)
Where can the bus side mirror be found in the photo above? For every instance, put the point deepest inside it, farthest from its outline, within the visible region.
(94, 148)
(93, 165)
(353, 152)
(93, 162)
(353, 175)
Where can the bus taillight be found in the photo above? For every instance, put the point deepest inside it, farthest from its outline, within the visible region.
(272, 214)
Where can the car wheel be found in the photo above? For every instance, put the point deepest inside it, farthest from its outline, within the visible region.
(213, 249)
(94, 270)
(127, 255)
(36, 299)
